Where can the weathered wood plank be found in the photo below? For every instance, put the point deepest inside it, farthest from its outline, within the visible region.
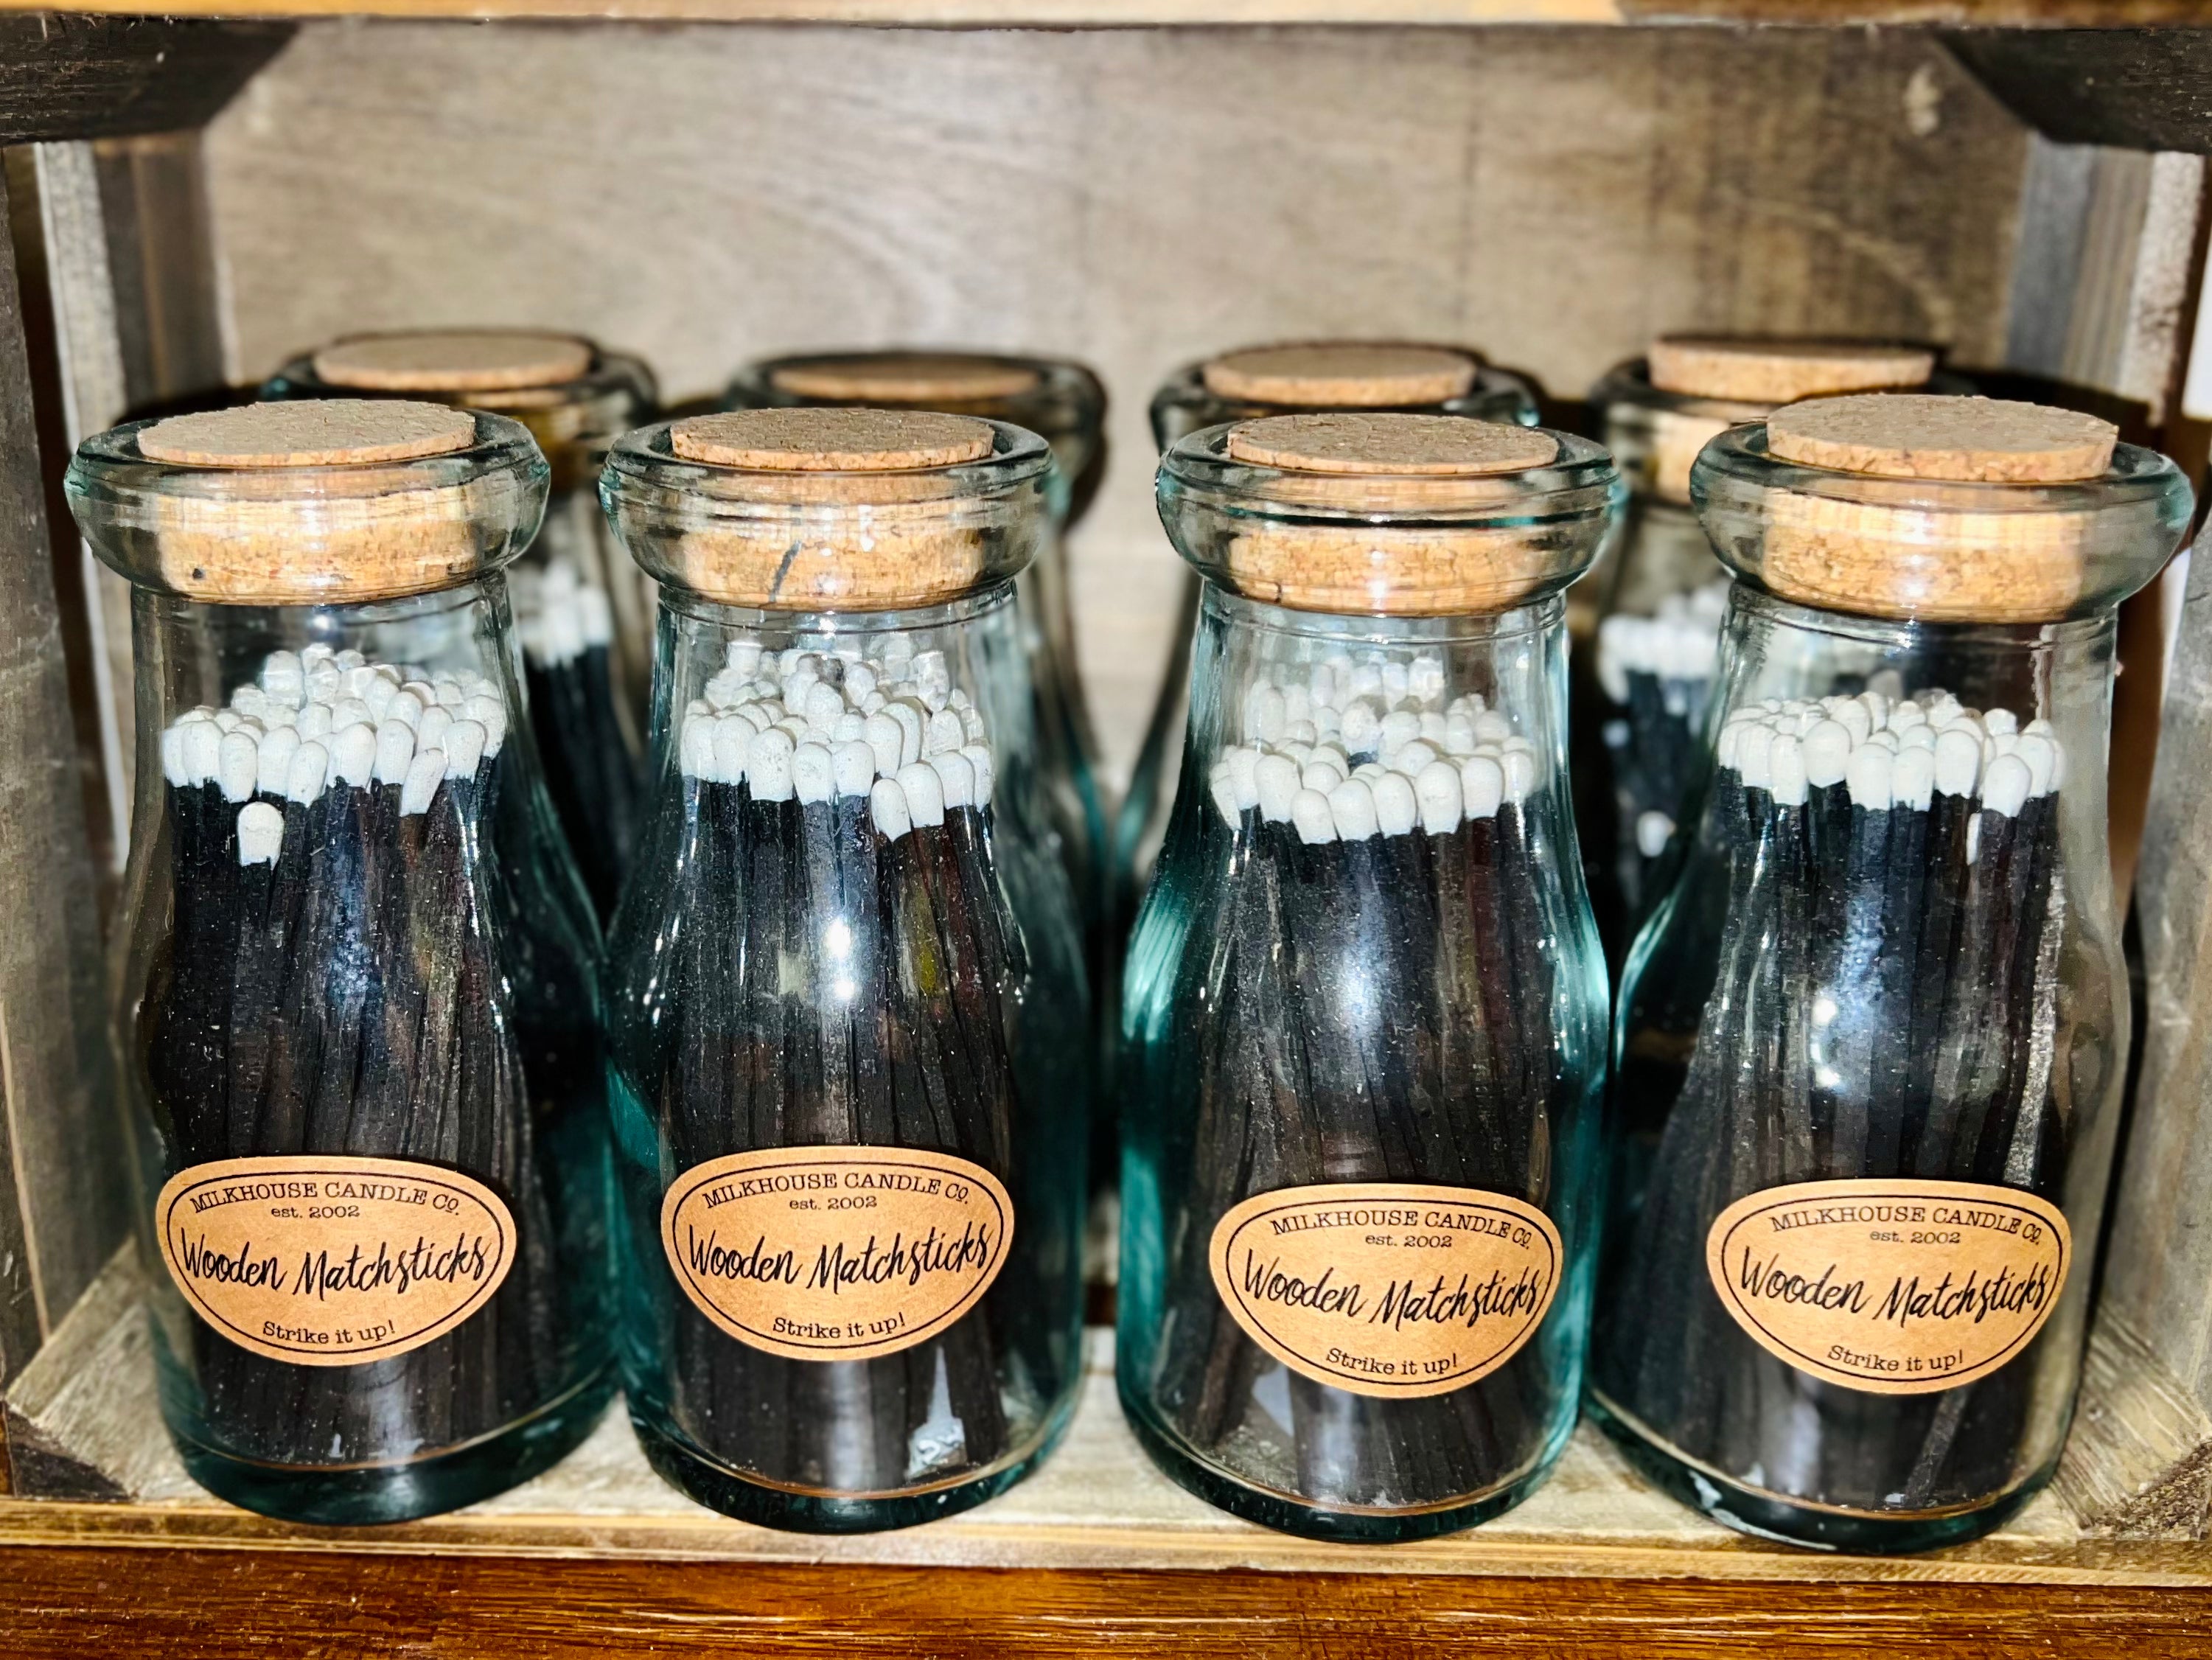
(1136, 198)
(56, 1104)
(333, 1607)
(2155, 1311)
(66, 74)
(1080, 14)
(2139, 88)
(87, 1404)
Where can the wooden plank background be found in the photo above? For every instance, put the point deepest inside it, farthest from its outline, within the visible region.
(1134, 198)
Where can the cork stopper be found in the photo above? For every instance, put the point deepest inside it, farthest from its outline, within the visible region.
(454, 360)
(1346, 374)
(1412, 446)
(1438, 465)
(907, 377)
(1749, 370)
(1962, 440)
(331, 502)
(331, 431)
(831, 439)
(1923, 507)
(829, 508)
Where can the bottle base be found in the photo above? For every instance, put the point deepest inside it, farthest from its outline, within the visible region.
(1339, 1527)
(1810, 1527)
(716, 1486)
(368, 1495)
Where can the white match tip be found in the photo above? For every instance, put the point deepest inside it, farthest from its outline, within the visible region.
(1352, 808)
(767, 764)
(238, 765)
(1275, 783)
(2035, 748)
(1243, 764)
(986, 770)
(1871, 770)
(465, 748)
(1437, 787)
(260, 833)
(812, 778)
(395, 751)
(1482, 785)
(1518, 767)
(1958, 760)
(310, 769)
(885, 741)
(887, 807)
(1223, 789)
(924, 795)
(277, 750)
(1310, 812)
(1654, 830)
(1912, 778)
(424, 773)
(1788, 772)
(1396, 808)
(2000, 720)
(852, 767)
(956, 777)
(1827, 753)
(2006, 788)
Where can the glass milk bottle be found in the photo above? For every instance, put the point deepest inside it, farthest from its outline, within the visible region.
(1364, 1016)
(1871, 1047)
(846, 994)
(1646, 642)
(584, 618)
(357, 1026)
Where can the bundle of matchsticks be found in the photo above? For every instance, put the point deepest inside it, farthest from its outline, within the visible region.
(847, 973)
(1886, 1005)
(1657, 673)
(1378, 1005)
(566, 626)
(337, 979)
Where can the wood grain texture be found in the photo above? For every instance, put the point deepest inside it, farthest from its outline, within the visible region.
(1076, 14)
(60, 1213)
(2141, 87)
(2154, 1312)
(1096, 1504)
(56, 1603)
(65, 75)
(1133, 198)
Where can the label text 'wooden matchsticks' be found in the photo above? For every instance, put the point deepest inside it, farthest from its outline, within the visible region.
(835, 1253)
(1387, 1289)
(332, 1262)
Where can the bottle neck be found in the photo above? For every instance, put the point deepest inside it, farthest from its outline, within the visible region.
(1772, 648)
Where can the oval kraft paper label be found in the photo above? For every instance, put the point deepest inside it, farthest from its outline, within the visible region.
(1386, 1288)
(837, 1253)
(333, 1261)
(1898, 1286)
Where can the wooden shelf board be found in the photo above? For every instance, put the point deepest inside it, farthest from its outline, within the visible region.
(1086, 13)
(1096, 1504)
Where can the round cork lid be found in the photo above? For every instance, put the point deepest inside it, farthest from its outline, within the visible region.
(320, 432)
(454, 360)
(831, 439)
(907, 377)
(1749, 370)
(1346, 374)
(1959, 439)
(1438, 445)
